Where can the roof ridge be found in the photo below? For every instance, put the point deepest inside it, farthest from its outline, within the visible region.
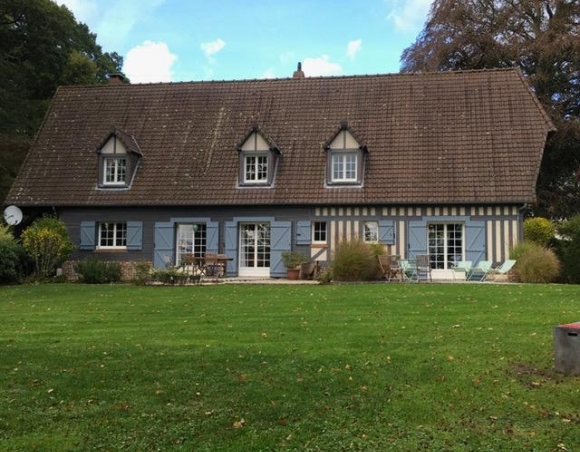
(286, 79)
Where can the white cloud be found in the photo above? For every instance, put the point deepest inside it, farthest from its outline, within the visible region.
(211, 48)
(352, 48)
(408, 15)
(314, 67)
(149, 62)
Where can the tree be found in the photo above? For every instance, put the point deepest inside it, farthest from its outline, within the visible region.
(42, 46)
(542, 38)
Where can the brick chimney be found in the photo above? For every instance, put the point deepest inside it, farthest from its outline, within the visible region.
(116, 79)
(298, 73)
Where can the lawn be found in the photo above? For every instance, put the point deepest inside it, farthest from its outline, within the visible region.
(379, 367)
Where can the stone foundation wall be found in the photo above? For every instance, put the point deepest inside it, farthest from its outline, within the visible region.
(128, 269)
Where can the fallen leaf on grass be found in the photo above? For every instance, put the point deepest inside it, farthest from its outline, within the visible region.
(240, 423)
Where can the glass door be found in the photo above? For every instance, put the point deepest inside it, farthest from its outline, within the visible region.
(254, 249)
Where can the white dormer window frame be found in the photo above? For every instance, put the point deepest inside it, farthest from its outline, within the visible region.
(118, 160)
(345, 159)
(258, 159)
(115, 171)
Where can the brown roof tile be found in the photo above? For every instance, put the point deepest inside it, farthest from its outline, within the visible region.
(455, 137)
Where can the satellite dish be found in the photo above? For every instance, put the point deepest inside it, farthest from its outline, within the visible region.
(12, 215)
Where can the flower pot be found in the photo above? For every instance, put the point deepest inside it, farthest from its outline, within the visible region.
(293, 273)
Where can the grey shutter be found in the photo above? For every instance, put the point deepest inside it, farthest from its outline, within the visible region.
(475, 241)
(231, 239)
(303, 231)
(87, 235)
(212, 230)
(387, 232)
(134, 235)
(417, 238)
(164, 247)
(280, 237)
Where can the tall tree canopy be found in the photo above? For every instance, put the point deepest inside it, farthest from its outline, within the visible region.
(542, 37)
(42, 46)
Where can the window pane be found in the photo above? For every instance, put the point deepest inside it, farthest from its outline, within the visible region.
(445, 244)
(319, 234)
(112, 235)
(371, 231)
(191, 239)
(256, 168)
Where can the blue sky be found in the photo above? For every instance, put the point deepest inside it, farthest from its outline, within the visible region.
(183, 40)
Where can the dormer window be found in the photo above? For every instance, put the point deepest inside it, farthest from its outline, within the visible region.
(258, 159)
(119, 156)
(115, 171)
(345, 158)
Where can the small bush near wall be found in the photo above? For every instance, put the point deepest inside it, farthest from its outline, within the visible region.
(354, 261)
(94, 271)
(535, 264)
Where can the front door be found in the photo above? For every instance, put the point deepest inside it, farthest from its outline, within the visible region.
(254, 249)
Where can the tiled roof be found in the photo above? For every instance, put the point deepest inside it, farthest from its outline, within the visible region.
(454, 137)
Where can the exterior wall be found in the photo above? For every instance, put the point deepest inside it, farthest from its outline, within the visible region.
(499, 228)
(503, 224)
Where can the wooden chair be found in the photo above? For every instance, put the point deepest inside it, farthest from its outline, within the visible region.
(423, 267)
(389, 267)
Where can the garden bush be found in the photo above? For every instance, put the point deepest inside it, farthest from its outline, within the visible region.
(354, 261)
(539, 230)
(48, 244)
(535, 264)
(12, 257)
(94, 271)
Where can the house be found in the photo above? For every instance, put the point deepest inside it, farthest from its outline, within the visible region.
(434, 163)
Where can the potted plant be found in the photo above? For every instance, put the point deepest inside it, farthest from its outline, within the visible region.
(292, 261)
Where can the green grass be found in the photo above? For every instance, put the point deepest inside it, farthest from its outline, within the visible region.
(298, 368)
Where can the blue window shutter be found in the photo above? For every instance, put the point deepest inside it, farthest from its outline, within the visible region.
(134, 235)
(387, 232)
(87, 235)
(231, 232)
(163, 253)
(417, 238)
(212, 230)
(475, 241)
(280, 237)
(303, 231)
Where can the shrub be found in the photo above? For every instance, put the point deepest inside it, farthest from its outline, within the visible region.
(48, 244)
(292, 259)
(535, 264)
(523, 248)
(354, 261)
(569, 249)
(12, 257)
(142, 273)
(539, 230)
(94, 271)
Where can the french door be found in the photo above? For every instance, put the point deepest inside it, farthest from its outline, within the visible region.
(254, 249)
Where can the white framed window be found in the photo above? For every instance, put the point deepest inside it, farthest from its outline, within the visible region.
(112, 235)
(344, 166)
(115, 171)
(371, 231)
(191, 239)
(319, 232)
(256, 168)
(446, 244)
